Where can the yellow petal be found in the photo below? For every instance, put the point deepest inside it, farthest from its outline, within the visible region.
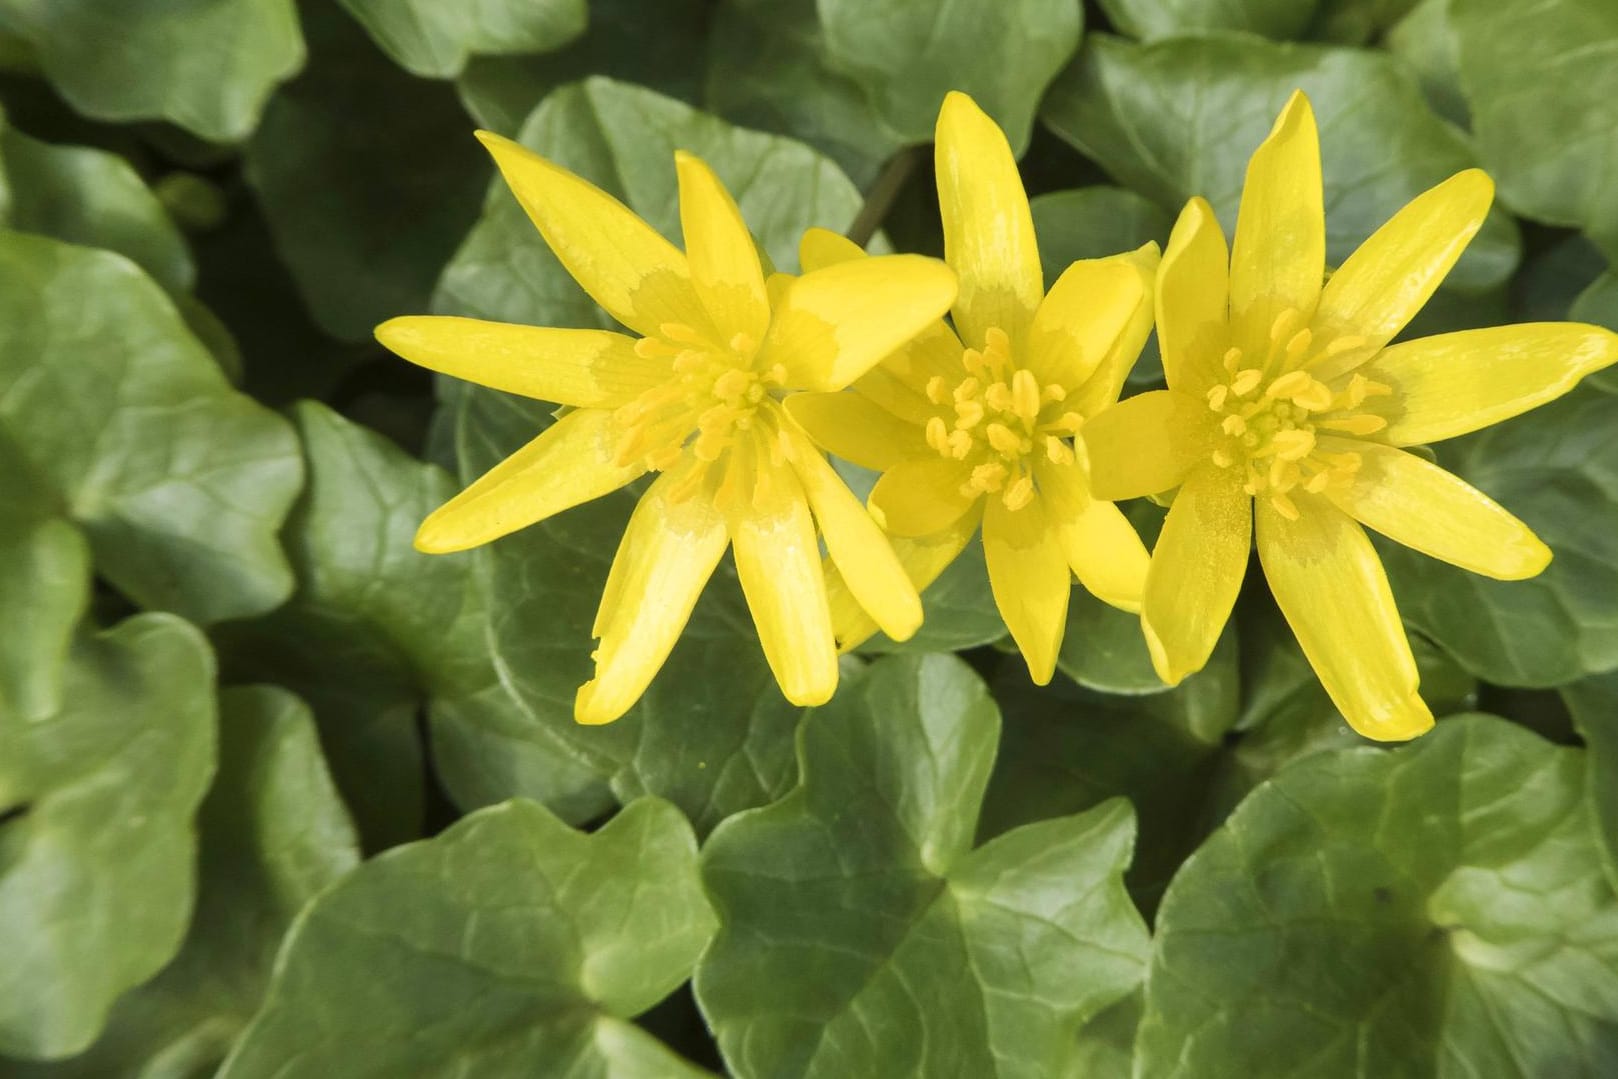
(572, 462)
(1330, 586)
(584, 368)
(640, 278)
(834, 324)
(724, 263)
(921, 495)
(778, 562)
(1381, 286)
(1145, 445)
(855, 428)
(988, 229)
(1101, 389)
(1196, 572)
(1101, 546)
(1193, 298)
(1278, 258)
(1028, 574)
(1081, 319)
(668, 552)
(1420, 505)
(1458, 382)
(819, 248)
(856, 546)
(923, 559)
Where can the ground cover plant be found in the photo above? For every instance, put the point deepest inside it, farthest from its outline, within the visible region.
(808, 538)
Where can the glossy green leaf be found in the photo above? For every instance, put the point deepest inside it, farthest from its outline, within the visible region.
(1437, 909)
(907, 56)
(179, 481)
(91, 197)
(1141, 111)
(1152, 19)
(96, 844)
(655, 45)
(1598, 303)
(958, 607)
(1425, 40)
(364, 223)
(1593, 703)
(508, 945)
(273, 833)
(1555, 468)
(1544, 94)
(861, 933)
(207, 67)
(436, 39)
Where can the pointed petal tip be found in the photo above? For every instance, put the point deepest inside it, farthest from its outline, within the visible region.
(1407, 719)
(590, 710)
(433, 538)
(1168, 671)
(1297, 110)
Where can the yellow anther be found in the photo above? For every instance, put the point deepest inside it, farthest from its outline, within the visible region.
(967, 390)
(679, 331)
(989, 477)
(690, 362)
(650, 348)
(1025, 395)
(960, 444)
(1285, 325)
(1298, 345)
(1293, 382)
(1246, 381)
(1362, 424)
(1216, 397)
(732, 384)
(1233, 426)
(1315, 397)
(1232, 360)
(1293, 445)
(1002, 438)
(1223, 459)
(938, 434)
(1053, 393)
(995, 340)
(1059, 452)
(1069, 423)
(998, 397)
(1317, 483)
(1284, 506)
(1344, 344)
(972, 360)
(937, 392)
(743, 345)
(968, 414)
(1020, 493)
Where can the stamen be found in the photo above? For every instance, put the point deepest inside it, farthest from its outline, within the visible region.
(1025, 395)
(1245, 382)
(1216, 397)
(1362, 423)
(1020, 493)
(1284, 506)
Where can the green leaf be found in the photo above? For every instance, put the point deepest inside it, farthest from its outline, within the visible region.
(435, 39)
(508, 945)
(959, 610)
(655, 45)
(1598, 303)
(768, 68)
(907, 56)
(1593, 703)
(273, 834)
(1114, 105)
(1438, 909)
(96, 847)
(179, 482)
(1556, 468)
(1521, 64)
(207, 67)
(365, 224)
(857, 904)
(1152, 19)
(90, 197)
(1425, 40)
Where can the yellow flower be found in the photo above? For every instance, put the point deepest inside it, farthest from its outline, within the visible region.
(976, 424)
(697, 398)
(1286, 403)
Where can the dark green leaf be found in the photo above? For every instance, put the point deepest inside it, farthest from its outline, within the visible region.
(1180, 118)
(368, 178)
(508, 945)
(1437, 909)
(857, 904)
(1594, 705)
(207, 67)
(436, 39)
(96, 845)
(179, 481)
(1152, 19)
(1424, 40)
(273, 833)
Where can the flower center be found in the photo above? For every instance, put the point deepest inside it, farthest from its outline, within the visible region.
(1273, 411)
(711, 399)
(996, 419)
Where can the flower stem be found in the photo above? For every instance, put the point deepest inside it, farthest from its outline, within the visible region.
(879, 200)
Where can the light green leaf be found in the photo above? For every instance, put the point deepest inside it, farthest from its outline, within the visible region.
(90, 197)
(1593, 703)
(656, 45)
(435, 39)
(364, 223)
(1438, 909)
(907, 56)
(207, 67)
(179, 481)
(1557, 469)
(1544, 94)
(857, 905)
(273, 834)
(1598, 303)
(768, 68)
(1142, 112)
(508, 945)
(96, 846)
(1152, 19)
(1357, 22)
(1424, 40)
